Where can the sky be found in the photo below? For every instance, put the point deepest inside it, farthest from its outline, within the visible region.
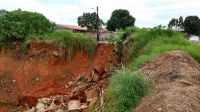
(148, 13)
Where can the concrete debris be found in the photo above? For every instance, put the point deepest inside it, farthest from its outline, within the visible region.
(84, 93)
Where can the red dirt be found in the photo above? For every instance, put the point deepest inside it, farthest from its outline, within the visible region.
(44, 71)
(177, 78)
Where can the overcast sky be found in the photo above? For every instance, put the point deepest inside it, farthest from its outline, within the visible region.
(148, 13)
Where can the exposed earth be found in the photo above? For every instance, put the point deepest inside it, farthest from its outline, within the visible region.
(177, 78)
(44, 71)
(42, 77)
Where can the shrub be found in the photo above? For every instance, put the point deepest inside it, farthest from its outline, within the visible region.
(125, 91)
(17, 25)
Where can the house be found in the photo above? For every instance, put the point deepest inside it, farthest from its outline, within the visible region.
(71, 27)
(194, 38)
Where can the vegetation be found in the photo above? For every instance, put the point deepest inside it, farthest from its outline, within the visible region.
(148, 43)
(17, 25)
(177, 24)
(3, 12)
(90, 21)
(125, 91)
(192, 25)
(120, 19)
(68, 40)
(122, 93)
(111, 39)
(22, 26)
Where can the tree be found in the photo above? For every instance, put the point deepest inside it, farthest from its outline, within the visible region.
(192, 25)
(17, 24)
(2, 12)
(120, 19)
(173, 23)
(177, 24)
(89, 20)
(181, 23)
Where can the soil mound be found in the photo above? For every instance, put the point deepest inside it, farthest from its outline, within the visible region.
(177, 78)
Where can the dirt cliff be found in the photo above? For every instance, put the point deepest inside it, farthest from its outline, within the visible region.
(43, 70)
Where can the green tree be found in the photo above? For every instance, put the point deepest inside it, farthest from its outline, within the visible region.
(17, 24)
(180, 23)
(120, 19)
(192, 25)
(90, 20)
(177, 24)
(2, 12)
(173, 24)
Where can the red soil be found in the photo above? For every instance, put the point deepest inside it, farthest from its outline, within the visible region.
(44, 71)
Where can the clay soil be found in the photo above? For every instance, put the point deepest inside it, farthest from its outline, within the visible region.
(43, 71)
(177, 78)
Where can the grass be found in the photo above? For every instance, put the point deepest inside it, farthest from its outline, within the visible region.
(150, 43)
(125, 91)
(70, 41)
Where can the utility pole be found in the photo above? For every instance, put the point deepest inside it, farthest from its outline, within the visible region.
(98, 35)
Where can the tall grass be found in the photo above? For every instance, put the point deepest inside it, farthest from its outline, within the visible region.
(150, 43)
(70, 41)
(125, 91)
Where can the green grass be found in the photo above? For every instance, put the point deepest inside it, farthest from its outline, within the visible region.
(70, 41)
(150, 43)
(125, 91)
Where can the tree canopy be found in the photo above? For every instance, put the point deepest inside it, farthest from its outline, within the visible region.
(2, 12)
(192, 25)
(90, 20)
(177, 24)
(120, 19)
(17, 24)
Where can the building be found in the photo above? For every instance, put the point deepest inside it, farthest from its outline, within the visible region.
(71, 28)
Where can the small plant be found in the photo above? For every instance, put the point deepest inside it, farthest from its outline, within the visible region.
(125, 91)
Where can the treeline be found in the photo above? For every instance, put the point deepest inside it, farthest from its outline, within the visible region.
(191, 24)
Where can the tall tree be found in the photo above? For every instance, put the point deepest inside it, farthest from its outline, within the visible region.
(176, 24)
(192, 25)
(90, 21)
(173, 23)
(180, 23)
(120, 19)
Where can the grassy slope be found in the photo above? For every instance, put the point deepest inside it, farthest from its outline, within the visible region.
(150, 43)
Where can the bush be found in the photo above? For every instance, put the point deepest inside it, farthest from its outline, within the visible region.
(125, 91)
(17, 25)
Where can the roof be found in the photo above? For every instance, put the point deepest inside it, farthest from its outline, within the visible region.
(71, 27)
